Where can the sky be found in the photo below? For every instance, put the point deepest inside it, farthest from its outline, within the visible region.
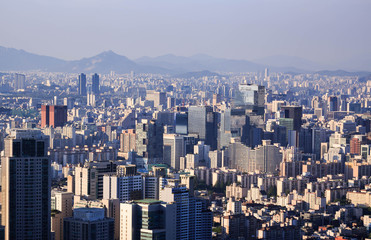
(324, 31)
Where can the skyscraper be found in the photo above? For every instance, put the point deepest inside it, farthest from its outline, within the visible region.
(173, 150)
(19, 81)
(295, 113)
(82, 84)
(53, 116)
(250, 96)
(203, 122)
(26, 186)
(95, 84)
(149, 140)
(333, 103)
(193, 220)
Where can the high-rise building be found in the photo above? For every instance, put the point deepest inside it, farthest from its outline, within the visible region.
(19, 81)
(158, 98)
(127, 140)
(173, 150)
(125, 185)
(333, 103)
(295, 113)
(95, 84)
(25, 201)
(89, 178)
(88, 223)
(193, 220)
(61, 205)
(149, 139)
(202, 121)
(250, 96)
(82, 84)
(86, 181)
(224, 128)
(53, 115)
(181, 123)
(148, 219)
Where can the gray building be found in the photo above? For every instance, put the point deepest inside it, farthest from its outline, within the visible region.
(26, 184)
(87, 224)
(202, 122)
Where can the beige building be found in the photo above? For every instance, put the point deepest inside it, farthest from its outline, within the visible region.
(360, 198)
(85, 181)
(61, 204)
(236, 191)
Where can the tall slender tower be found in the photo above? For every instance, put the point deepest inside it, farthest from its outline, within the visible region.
(26, 184)
(82, 84)
(95, 84)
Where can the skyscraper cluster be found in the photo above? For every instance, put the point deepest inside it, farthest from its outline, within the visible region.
(150, 156)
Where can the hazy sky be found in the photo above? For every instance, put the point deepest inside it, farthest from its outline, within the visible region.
(319, 30)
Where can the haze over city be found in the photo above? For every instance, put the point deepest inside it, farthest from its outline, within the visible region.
(185, 120)
(334, 33)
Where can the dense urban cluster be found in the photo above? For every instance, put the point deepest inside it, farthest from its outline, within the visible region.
(194, 156)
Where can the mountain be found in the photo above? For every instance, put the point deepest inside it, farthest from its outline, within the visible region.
(343, 73)
(109, 61)
(361, 62)
(200, 62)
(19, 60)
(282, 61)
(200, 74)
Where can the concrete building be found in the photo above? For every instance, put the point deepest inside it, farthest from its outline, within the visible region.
(88, 223)
(53, 115)
(148, 219)
(25, 184)
(193, 221)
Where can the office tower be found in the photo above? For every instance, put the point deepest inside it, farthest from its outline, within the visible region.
(202, 121)
(173, 150)
(19, 81)
(295, 113)
(265, 158)
(193, 220)
(61, 205)
(148, 219)
(239, 155)
(127, 140)
(332, 103)
(85, 181)
(224, 128)
(25, 171)
(89, 178)
(149, 139)
(88, 223)
(82, 84)
(250, 96)
(151, 187)
(95, 84)
(216, 159)
(125, 185)
(158, 98)
(266, 74)
(53, 115)
(181, 123)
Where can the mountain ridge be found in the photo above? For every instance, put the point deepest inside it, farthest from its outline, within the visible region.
(12, 59)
